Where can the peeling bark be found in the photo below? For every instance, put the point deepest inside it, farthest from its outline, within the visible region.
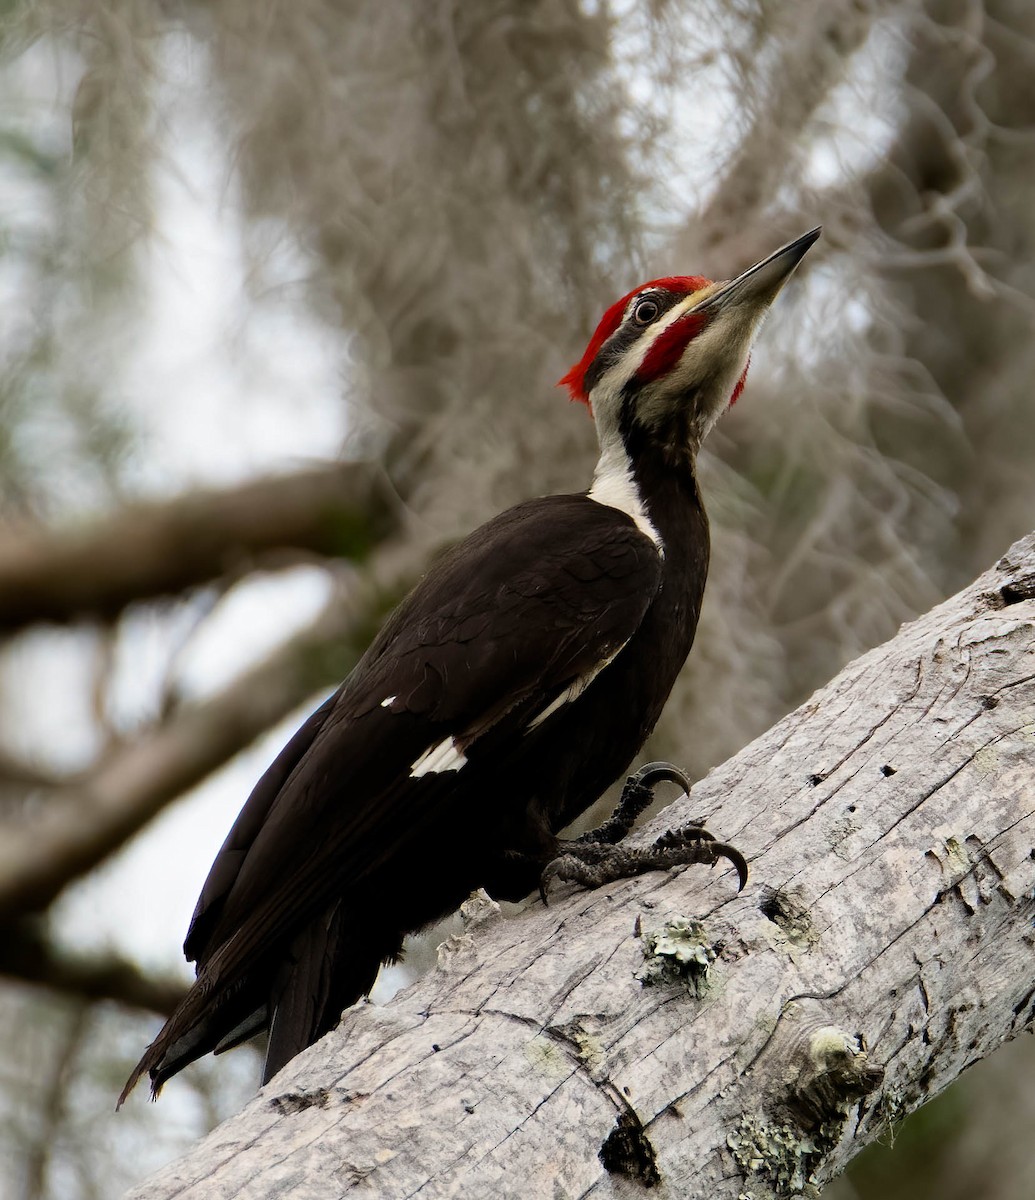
(884, 943)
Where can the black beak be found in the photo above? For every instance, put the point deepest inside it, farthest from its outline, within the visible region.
(759, 285)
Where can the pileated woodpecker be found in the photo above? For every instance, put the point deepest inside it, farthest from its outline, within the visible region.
(501, 698)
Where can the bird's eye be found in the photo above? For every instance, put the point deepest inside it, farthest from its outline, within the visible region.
(646, 311)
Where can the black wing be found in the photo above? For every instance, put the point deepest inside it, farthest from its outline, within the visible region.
(497, 631)
(515, 614)
(232, 853)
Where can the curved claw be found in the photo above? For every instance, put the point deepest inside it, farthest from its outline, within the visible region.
(734, 856)
(661, 772)
(549, 873)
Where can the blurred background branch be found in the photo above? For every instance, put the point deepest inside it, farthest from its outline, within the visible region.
(144, 551)
(80, 823)
(29, 956)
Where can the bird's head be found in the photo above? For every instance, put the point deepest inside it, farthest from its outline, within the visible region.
(669, 358)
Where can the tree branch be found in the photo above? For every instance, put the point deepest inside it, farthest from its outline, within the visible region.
(159, 549)
(82, 823)
(667, 1031)
(28, 956)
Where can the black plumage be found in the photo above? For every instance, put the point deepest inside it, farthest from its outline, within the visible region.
(500, 699)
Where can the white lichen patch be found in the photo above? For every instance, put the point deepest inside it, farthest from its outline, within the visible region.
(831, 1048)
(950, 853)
(781, 1155)
(479, 910)
(789, 923)
(957, 858)
(842, 830)
(987, 762)
(679, 952)
(835, 1076)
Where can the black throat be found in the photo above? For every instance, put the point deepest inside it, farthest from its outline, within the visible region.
(665, 471)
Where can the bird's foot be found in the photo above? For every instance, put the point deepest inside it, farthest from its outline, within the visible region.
(636, 798)
(593, 864)
(595, 858)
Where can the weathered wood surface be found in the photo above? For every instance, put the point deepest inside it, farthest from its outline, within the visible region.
(885, 941)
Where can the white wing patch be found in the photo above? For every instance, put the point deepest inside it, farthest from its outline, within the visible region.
(388, 701)
(615, 485)
(446, 756)
(574, 690)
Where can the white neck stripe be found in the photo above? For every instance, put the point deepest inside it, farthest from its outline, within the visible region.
(615, 485)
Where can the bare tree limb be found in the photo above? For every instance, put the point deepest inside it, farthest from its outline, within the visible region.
(89, 818)
(29, 956)
(664, 1032)
(158, 549)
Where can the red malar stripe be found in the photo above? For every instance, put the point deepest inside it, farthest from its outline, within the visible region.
(669, 345)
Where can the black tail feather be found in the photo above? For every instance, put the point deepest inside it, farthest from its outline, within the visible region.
(332, 964)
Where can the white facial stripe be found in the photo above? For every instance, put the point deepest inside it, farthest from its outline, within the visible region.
(633, 301)
(446, 756)
(609, 386)
(632, 359)
(615, 485)
(725, 340)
